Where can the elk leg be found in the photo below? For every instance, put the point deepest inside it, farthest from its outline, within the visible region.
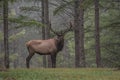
(28, 60)
(53, 59)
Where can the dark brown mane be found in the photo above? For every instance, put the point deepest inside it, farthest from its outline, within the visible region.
(59, 44)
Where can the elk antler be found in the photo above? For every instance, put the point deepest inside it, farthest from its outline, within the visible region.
(68, 29)
(62, 32)
(53, 30)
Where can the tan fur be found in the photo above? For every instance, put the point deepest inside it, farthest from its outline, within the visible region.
(47, 47)
(42, 46)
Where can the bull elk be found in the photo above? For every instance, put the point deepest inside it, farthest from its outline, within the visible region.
(47, 47)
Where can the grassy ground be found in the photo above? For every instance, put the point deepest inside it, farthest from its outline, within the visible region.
(60, 74)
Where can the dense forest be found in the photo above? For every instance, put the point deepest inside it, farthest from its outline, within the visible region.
(94, 40)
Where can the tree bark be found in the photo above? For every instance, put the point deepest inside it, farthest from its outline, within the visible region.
(43, 32)
(47, 30)
(79, 34)
(97, 35)
(6, 44)
(1, 44)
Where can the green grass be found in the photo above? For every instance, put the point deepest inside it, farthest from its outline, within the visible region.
(60, 74)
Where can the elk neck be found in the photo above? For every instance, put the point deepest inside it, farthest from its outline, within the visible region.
(59, 43)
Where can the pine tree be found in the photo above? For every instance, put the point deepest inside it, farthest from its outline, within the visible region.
(46, 22)
(43, 32)
(79, 34)
(6, 44)
(97, 35)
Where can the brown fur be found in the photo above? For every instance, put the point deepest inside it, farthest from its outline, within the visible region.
(45, 47)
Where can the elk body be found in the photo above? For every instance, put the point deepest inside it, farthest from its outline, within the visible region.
(46, 47)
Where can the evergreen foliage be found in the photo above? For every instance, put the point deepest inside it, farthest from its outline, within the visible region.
(26, 24)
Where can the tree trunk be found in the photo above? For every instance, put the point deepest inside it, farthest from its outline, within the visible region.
(97, 35)
(79, 34)
(1, 46)
(1, 52)
(46, 22)
(43, 32)
(6, 46)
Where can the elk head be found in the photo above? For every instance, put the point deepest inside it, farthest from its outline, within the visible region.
(60, 36)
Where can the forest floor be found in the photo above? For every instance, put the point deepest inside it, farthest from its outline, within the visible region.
(60, 74)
